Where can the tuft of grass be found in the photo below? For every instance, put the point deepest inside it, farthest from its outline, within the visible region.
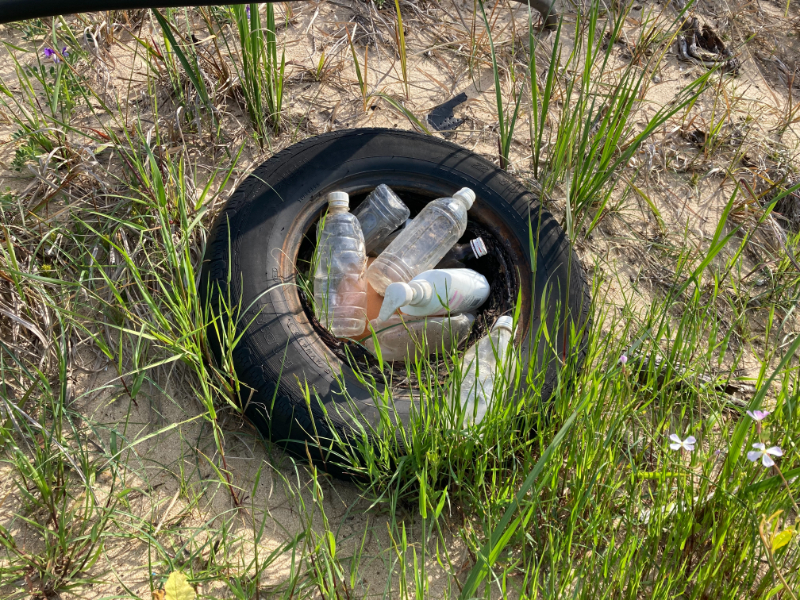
(190, 67)
(403, 110)
(506, 121)
(261, 72)
(594, 136)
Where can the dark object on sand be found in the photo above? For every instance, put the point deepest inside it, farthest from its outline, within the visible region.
(704, 47)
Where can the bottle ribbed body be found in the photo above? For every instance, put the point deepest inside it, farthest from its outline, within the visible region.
(340, 289)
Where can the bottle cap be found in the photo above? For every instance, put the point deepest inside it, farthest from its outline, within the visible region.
(479, 247)
(338, 200)
(467, 195)
(504, 323)
(397, 294)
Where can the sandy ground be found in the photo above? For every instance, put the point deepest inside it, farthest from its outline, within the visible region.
(688, 188)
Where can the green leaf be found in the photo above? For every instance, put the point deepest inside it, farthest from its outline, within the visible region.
(773, 591)
(405, 112)
(331, 543)
(772, 482)
(783, 538)
(440, 506)
(193, 76)
(423, 499)
(178, 588)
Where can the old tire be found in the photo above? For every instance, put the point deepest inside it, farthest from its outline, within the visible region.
(254, 243)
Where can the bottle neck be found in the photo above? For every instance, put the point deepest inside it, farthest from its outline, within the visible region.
(464, 204)
(338, 210)
(466, 197)
(461, 252)
(467, 251)
(423, 292)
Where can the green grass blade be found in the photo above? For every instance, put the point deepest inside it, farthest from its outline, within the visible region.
(191, 73)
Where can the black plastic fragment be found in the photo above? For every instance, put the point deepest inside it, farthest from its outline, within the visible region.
(441, 117)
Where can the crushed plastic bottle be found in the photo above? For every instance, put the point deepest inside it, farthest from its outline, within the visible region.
(424, 242)
(481, 371)
(402, 338)
(380, 214)
(455, 258)
(340, 289)
(436, 292)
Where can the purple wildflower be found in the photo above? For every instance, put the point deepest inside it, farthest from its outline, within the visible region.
(623, 359)
(764, 453)
(247, 10)
(679, 444)
(53, 55)
(758, 415)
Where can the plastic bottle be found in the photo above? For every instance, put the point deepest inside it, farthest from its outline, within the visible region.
(340, 289)
(462, 252)
(384, 243)
(380, 214)
(424, 242)
(481, 372)
(436, 292)
(402, 338)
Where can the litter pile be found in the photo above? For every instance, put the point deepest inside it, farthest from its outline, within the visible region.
(704, 47)
(427, 295)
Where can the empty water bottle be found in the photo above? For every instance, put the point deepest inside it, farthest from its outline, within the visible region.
(340, 289)
(486, 365)
(402, 338)
(424, 242)
(380, 214)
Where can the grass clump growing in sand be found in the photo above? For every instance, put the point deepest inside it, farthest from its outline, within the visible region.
(125, 457)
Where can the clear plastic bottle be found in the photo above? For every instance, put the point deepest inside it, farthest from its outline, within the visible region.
(380, 214)
(436, 292)
(340, 289)
(483, 367)
(401, 338)
(424, 242)
(389, 239)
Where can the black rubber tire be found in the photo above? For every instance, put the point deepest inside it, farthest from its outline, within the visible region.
(254, 244)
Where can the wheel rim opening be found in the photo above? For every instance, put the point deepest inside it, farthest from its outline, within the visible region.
(497, 266)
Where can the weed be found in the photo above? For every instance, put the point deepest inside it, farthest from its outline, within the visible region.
(506, 121)
(261, 72)
(401, 45)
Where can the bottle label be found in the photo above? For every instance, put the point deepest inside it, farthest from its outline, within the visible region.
(465, 302)
(460, 302)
